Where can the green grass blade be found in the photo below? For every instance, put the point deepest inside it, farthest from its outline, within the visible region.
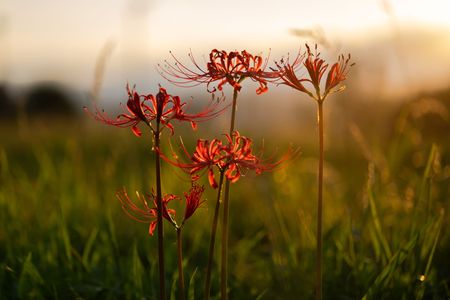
(29, 280)
(376, 221)
(430, 258)
(427, 174)
(384, 277)
(137, 271)
(191, 287)
(66, 243)
(173, 288)
(260, 296)
(88, 248)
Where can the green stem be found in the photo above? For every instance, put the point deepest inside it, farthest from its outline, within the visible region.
(233, 111)
(224, 270)
(180, 264)
(224, 260)
(213, 239)
(162, 290)
(319, 204)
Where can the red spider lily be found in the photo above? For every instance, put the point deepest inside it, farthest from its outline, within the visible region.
(206, 155)
(231, 158)
(239, 150)
(193, 200)
(143, 213)
(338, 73)
(287, 74)
(163, 108)
(223, 67)
(316, 68)
(136, 111)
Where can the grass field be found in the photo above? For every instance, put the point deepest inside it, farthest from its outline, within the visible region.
(63, 234)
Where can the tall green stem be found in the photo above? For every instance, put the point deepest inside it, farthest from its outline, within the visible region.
(224, 257)
(233, 111)
(162, 289)
(180, 264)
(213, 239)
(224, 260)
(319, 204)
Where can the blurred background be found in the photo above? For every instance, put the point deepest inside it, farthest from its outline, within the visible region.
(401, 47)
(387, 162)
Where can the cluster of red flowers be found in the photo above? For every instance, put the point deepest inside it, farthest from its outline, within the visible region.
(231, 157)
(148, 214)
(225, 67)
(234, 155)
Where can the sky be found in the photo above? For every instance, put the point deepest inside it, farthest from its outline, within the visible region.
(60, 40)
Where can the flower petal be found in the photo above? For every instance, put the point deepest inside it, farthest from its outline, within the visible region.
(137, 132)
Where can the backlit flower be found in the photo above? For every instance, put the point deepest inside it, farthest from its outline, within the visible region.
(142, 212)
(206, 156)
(136, 111)
(316, 68)
(231, 157)
(161, 108)
(338, 73)
(193, 200)
(287, 73)
(222, 68)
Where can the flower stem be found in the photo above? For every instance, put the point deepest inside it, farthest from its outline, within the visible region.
(224, 270)
(319, 204)
(233, 111)
(180, 264)
(224, 260)
(213, 239)
(162, 289)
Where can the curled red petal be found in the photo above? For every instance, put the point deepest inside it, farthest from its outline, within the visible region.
(152, 227)
(262, 89)
(211, 179)
(137, 132)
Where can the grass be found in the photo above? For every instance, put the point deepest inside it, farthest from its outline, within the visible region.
(63, 234)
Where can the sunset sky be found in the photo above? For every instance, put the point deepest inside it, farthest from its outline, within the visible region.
(60, 40)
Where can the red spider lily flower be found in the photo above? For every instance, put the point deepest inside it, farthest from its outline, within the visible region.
(143, 212)
(338, 73)
(231, 158)
(163, 108)
(240, 157)
(287, 75)
(223, 67)
(206, 155)
(211, 111)
(316, 68)
(193, 200)
(136, 111)
(239, 154)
